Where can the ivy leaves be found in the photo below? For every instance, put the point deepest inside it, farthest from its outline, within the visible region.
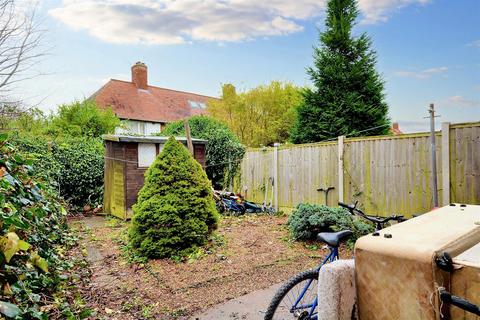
(10, 244)
(9, 309)
(32, 226)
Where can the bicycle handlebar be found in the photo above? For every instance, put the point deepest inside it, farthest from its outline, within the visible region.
(375, 219)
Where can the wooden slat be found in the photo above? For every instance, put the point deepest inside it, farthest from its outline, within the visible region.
(385, 174)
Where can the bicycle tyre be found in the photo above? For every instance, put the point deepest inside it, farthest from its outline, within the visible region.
(283, 291)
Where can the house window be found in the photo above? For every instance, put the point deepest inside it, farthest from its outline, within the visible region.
(146, 154)
(151, 128)
(197, 105)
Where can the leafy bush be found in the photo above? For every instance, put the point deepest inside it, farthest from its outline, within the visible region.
(223, 146)
(175, 211)
(73, 166)
(309, 219)
(81, 118)
(81, 162)
(45, 167)
(33, 234)
(66, 146)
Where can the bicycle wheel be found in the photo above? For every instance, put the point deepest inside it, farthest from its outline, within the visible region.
(221, 207)
(283, 303)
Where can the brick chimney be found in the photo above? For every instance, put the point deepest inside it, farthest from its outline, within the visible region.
(395, 129)
(139, 75)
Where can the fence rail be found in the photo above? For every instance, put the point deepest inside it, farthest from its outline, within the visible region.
(387, 174)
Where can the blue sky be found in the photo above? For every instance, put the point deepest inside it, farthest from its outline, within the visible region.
(428, 50)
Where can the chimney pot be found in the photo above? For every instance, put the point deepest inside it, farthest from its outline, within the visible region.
(395, 125)
(139, 75)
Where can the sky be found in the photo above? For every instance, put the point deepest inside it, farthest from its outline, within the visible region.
(428, 51)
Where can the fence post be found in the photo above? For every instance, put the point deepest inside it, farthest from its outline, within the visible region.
(275, 175)
(340, 168)
(446, 163)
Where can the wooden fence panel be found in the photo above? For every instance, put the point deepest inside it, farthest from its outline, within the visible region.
(257, 168)
(390, 174)
(465, 163)
(303, 170)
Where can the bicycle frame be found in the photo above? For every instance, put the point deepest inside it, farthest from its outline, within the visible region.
(332, 256)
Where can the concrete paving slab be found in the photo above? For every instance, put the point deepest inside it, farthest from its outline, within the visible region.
(251, 306)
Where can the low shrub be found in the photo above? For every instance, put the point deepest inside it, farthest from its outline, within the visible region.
(309, 219)
(175, 211)
(33, 237)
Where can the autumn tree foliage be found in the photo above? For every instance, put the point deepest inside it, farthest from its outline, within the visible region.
(260, 116)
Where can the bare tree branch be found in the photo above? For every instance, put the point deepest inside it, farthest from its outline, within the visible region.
(20, 45)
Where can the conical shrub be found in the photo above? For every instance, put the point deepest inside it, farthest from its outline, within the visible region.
(175, 211)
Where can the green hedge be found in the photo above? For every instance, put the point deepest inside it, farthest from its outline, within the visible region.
(72, 166)
(309, 219)
(33, 233)
(224, 151)
(175, 211)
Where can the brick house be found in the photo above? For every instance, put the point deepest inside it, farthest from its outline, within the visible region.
(144, 108)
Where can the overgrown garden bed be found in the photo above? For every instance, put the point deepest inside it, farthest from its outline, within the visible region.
(243, 255)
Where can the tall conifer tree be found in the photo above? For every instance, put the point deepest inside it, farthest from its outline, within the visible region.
(348, 95)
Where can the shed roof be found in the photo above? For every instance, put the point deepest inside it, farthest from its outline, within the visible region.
(147, 139)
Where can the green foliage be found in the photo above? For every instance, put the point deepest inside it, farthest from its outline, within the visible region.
(175, 211)
(33, 235)
(223, 146)
(309, 219)
(83, 118)
(73, 166)
(66, 146)
(16, 118)
(348, 96)
(261, 116)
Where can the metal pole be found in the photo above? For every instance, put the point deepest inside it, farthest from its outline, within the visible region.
(230, 177)
(431, 110)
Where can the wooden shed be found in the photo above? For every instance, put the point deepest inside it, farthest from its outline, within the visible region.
(126, 160)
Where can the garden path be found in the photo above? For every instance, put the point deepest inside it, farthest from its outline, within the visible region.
(251, 306)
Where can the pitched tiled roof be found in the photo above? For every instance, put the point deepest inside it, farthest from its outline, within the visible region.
(155, 104)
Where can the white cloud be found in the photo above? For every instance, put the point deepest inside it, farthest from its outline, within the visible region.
(459, 101)
(422, 74)
(181, 21)
(379, 10)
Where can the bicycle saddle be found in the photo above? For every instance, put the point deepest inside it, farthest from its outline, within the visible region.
(333, 238)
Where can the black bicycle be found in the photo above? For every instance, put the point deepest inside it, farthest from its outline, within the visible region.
(379, 222)
(297, 298)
